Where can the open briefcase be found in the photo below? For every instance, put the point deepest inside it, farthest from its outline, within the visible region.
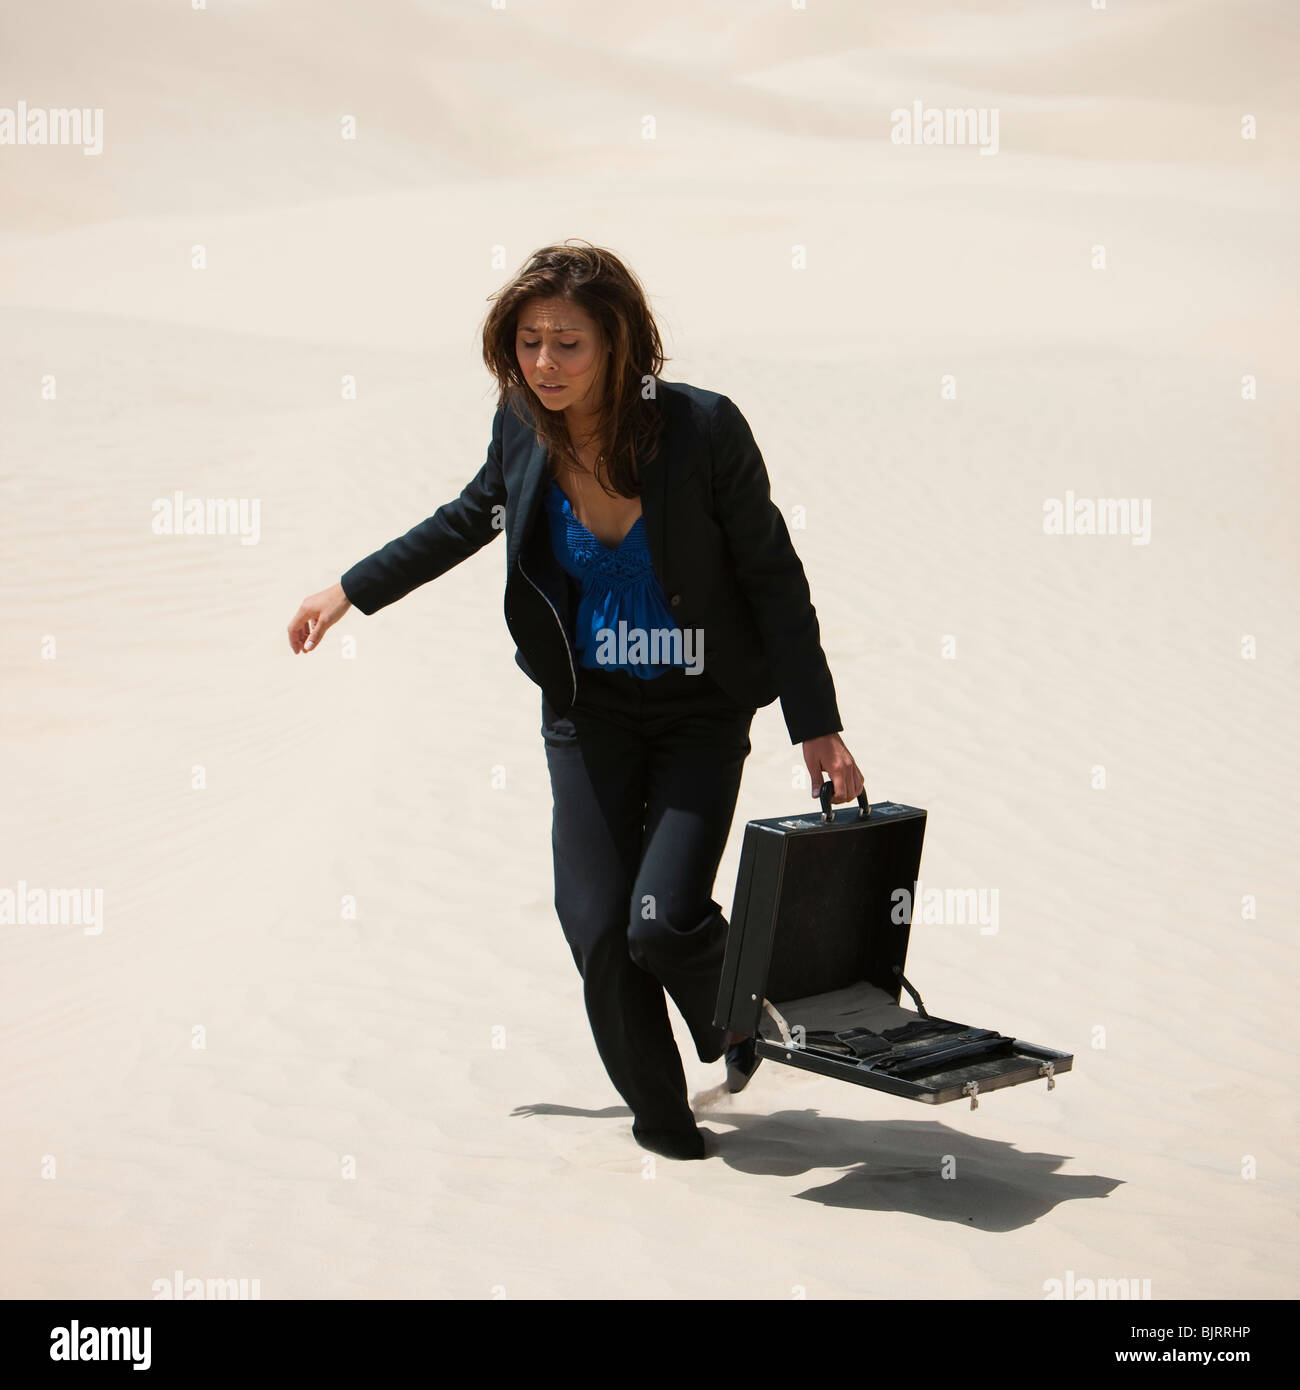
(815, 954)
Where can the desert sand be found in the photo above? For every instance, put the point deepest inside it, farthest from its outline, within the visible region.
(328, 1035)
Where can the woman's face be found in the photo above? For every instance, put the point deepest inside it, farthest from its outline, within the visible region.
(560, 354)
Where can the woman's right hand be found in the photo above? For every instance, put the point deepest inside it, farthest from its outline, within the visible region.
(316, 616)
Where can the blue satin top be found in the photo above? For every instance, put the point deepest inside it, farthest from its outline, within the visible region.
(620, 596)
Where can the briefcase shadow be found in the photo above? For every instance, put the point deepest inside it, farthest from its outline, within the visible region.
(919, 1166)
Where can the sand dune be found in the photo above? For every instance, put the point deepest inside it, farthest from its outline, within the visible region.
(367, 774)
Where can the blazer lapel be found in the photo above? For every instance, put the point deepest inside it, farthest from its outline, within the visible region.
(653, 489)
(531, 486)
(659, 478)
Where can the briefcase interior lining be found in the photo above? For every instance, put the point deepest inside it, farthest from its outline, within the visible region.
(862, 1005)
(993, 1060)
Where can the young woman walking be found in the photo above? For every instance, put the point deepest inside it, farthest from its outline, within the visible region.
(655, 597)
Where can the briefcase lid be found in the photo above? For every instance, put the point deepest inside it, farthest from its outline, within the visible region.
(819, 906)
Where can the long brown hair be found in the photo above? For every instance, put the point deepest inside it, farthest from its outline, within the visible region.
(628, 424)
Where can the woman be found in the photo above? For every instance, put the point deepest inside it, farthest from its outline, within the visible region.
(655, 597)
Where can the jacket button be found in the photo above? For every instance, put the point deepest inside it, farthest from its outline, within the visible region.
(675, 600)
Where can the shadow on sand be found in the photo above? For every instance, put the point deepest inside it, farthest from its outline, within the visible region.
(887, 1165)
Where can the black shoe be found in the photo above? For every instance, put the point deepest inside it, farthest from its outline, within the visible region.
(742, 1063)
(671, 1143)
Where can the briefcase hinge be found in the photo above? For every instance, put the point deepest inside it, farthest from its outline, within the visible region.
(782, 1026)
(916, 998)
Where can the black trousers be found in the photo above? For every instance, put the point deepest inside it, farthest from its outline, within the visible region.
(644, 776)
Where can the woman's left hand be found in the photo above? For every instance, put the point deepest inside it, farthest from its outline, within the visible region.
(828, 754)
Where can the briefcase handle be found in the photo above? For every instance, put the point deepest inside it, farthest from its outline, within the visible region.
(828, 790)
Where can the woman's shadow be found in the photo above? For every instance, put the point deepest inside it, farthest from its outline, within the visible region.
(918, 1166)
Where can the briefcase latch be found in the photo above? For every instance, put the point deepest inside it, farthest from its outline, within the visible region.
(1048, 1069)
(972, 1089)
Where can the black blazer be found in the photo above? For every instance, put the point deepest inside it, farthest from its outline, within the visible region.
(720, 549)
